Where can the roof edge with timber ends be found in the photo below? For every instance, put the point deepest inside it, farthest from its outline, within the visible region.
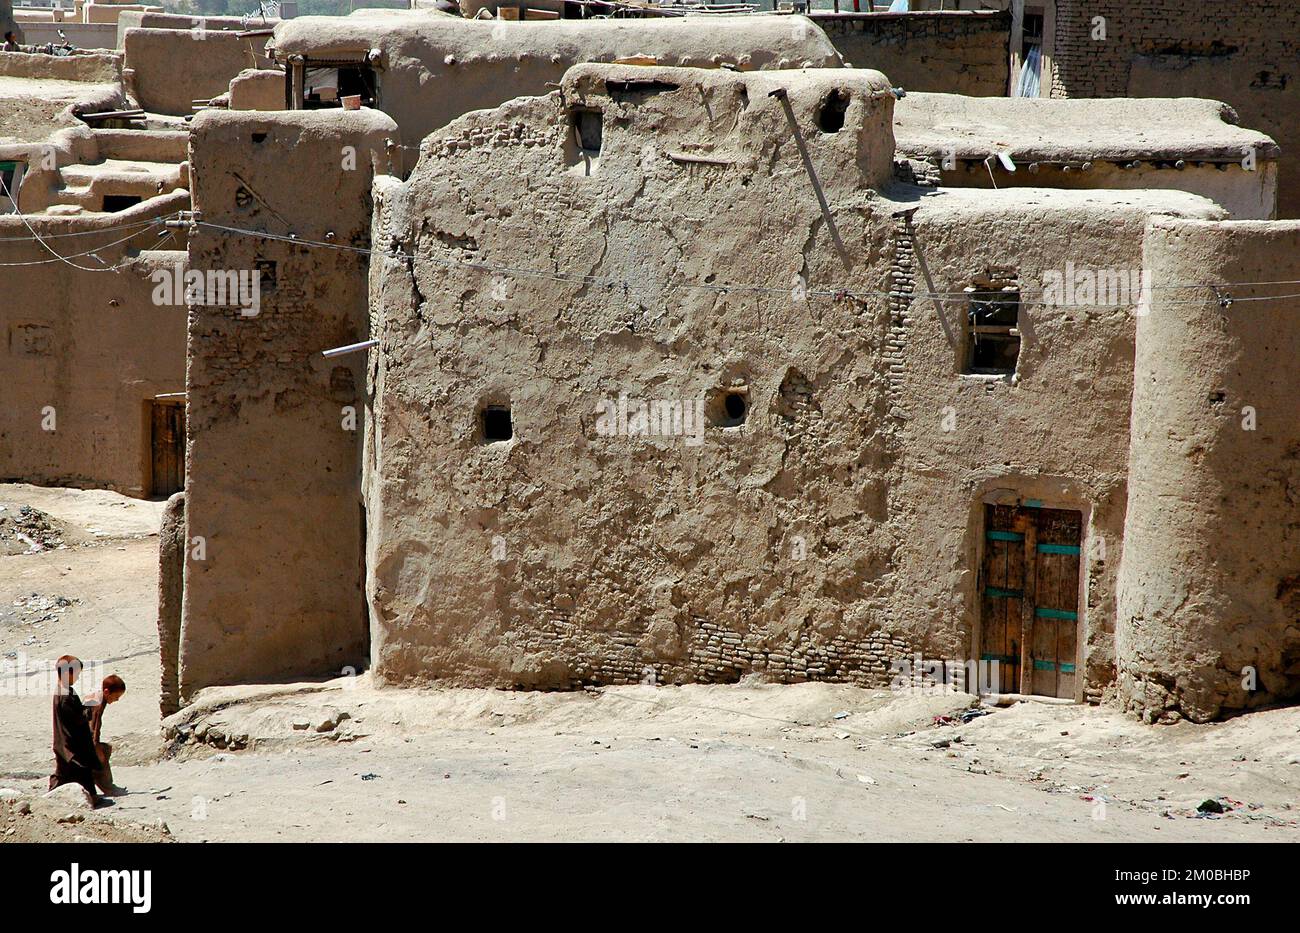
(1047, 129)
(747, 42)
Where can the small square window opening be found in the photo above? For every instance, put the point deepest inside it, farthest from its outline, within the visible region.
(496, 424)
(992, 330)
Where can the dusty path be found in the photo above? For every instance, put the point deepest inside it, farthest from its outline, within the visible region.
(758, 762)
(751, 762)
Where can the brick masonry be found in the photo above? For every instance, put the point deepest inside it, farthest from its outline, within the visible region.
(952, 52)
(1188, 48)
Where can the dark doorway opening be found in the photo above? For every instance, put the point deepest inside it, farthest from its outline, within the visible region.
(119, 202)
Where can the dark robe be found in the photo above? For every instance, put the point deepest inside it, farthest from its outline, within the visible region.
(74, 749)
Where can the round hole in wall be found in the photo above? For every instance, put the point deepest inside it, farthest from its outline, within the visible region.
(728, 406)
(830, 118)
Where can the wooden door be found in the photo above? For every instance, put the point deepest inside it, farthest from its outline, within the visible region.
(1029, 598)
(1055, 637)
(167, 445)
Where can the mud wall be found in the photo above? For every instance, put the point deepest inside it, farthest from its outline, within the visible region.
(1056, 433)
(99, 66)
(166, 70)
(272, 470)
(1246, 195)
(953, 52)
(81, 35)
(257, 90)
(563, 557)
(435, 68)
(156, 18)
(84, 350)
(171, 589)
(832, 531)
(1244, 55)
(1210, 584)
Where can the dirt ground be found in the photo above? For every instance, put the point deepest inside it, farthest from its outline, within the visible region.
(343, 761)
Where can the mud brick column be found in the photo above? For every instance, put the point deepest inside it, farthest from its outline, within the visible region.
(274, 524)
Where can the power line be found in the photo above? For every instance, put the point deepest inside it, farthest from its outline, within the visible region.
(746, 288)
(580, 278)
(58, 257)
(106, 229)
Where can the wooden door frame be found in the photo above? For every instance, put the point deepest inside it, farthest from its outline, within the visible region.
(1016, 44)
(149, 403)
(1034, 498)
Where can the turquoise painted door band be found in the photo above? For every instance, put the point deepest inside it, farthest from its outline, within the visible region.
(1004, 658)
(1005, 536)
(1058, 549)
(1050, 666)
(1033, 503)
(1044, 613)
(1003, 594)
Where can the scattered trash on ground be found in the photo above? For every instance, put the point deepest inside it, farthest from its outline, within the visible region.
(1213, 807)
(37, 608)
(28, 531)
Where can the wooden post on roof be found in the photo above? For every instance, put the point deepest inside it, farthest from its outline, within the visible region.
(1015, 45)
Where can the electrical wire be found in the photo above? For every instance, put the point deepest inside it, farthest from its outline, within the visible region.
(59, 257)
(744, 288)
(106, 229)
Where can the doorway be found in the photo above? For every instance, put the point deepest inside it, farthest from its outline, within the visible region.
(1029, 597)
(167, 446)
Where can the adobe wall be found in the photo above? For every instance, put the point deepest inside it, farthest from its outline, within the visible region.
(108, 13)
(1246, 195)
(1244, 55)
(97, 66)
(434, 67)
(1164, 143)
(88, 348)
(171, 591)
(252, 89)
(838, 529)
(593, 588)
(1210, 582)
(1056, 433)
(272, 469)
(158, 19)
(955, 52)
(80, 35)
(168, 69)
